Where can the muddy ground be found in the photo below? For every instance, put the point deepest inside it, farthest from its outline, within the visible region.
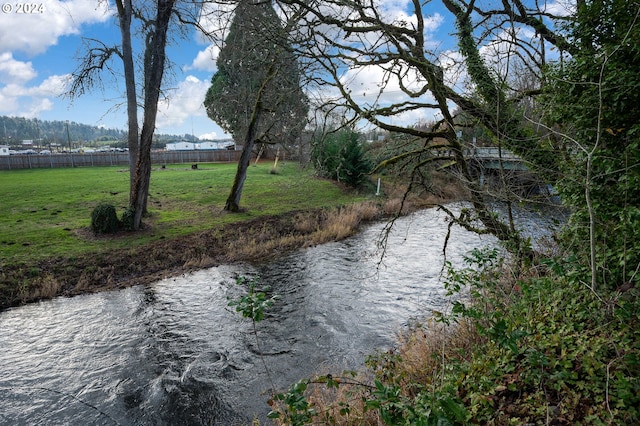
(151, 262)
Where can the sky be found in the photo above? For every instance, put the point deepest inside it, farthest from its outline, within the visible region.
(39, 50)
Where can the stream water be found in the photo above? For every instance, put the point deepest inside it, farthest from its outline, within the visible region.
(175, 353)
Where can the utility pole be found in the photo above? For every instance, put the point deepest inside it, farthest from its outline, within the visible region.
(69, 141)
(38, 141)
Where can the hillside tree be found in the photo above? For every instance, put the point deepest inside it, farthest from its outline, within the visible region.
(256, 93)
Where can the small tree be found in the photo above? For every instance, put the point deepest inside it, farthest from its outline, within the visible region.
(104, 219)
(339, 156)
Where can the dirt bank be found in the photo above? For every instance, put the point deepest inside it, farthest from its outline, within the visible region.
(258, 239)
(154, 261)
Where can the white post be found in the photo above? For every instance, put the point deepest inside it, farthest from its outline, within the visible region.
(378, 190)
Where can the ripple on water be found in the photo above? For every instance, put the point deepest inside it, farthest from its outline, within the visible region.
(174, 352)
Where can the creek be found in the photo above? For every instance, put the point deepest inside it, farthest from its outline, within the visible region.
(175, 353)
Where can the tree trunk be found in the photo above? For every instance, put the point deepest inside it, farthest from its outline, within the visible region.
(124, 16)
(233, 202)
(153, 72)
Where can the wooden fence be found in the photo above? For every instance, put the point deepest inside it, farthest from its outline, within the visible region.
(14, 162)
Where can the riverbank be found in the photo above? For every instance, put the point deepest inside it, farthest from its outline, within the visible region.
(526, 346)
(238, 239)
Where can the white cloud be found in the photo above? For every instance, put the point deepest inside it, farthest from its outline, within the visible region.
(27, 101)
(14, 102)
(33, 33)
(209, 136)
(183, 102)
(8, 103)
(370, 87)
(13, 71)
(206, 59)
(36, 107)
(453, 66)
(51, 87)
(560, 7)
(215, 19)
(56, 85)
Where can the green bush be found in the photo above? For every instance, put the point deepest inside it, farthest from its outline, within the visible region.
(127, 219)
(339, 156)
(104, 219)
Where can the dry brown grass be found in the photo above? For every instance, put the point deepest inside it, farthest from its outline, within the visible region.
(442, 188)
(303, 230)
(424, 351)
(45, 286)
(328, 402)
(341, 223)
(419, 358)
(200, 262)
(306, 222)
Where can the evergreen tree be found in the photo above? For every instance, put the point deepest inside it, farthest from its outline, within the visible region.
(339, 156)
(257, 42)
(256, 95)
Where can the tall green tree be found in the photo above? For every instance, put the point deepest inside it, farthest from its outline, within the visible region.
(594, 106)
(256, 94)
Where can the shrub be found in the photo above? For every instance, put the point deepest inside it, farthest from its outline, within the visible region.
(127, 219)
(339, 156)
(104, 219)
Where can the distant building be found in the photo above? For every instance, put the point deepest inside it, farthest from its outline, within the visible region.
(181, 146)
(222, 144)
(204, 145)
(4, 150)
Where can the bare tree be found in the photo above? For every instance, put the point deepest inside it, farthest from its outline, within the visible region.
(154, 66)
(97, 60)
(343, 39)
(125, 12)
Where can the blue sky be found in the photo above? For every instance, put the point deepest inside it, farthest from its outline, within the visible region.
(38, 52)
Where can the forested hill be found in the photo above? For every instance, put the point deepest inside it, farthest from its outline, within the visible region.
(13, 130)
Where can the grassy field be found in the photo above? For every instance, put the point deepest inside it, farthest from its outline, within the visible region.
(46, 212)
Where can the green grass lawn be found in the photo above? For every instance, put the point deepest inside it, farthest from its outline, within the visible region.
(43, 210)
